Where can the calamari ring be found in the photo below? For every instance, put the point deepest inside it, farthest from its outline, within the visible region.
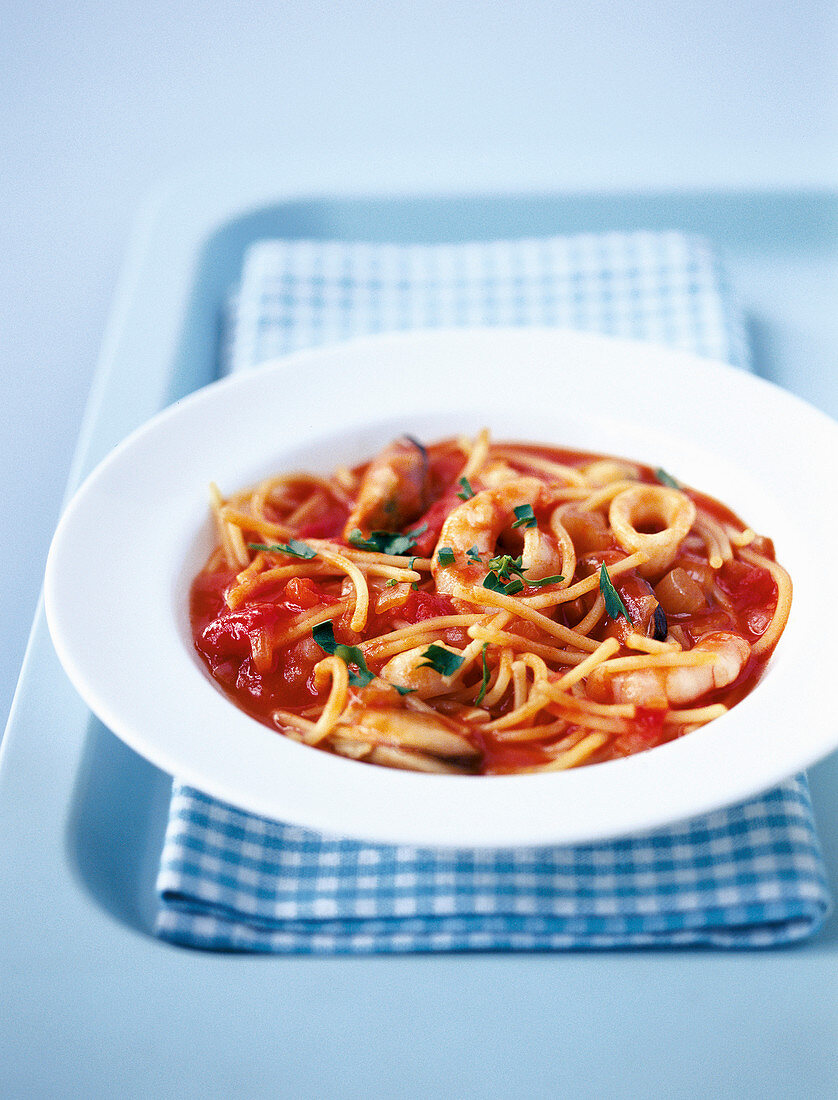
(650, 507)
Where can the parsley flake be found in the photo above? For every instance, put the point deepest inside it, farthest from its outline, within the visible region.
(524, 516)
(386, 542)
(507, 574)
(479, 697)
(445, 555)
(293, 547)
(467, 492)
(501, 578)
(666, 479)
(546, 580)
(441, 660)
(494, 583)
(324, 635)
(504, 564)
(613, 604)
(473, 554)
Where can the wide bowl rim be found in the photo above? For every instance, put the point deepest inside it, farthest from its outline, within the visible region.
(241, 762)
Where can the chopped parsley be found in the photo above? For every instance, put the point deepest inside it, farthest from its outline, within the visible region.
(666, 479)
(473, 554)
(494, 583)
(507, 575)
(467, 491)
(324, 635)
(613, 604)
(546, 580)
(504, 564)
(387, 542)
(293, 547)
(445, 555)
(524, 516)
(479, 697)
(442, 660)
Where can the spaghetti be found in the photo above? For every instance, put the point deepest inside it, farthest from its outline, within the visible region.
(482, 608)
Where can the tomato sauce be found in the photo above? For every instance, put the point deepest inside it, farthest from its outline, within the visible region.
(241, 649)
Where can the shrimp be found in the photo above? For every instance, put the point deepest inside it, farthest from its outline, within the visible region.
(473, 529)
(677, 684)
(394, 489)
(548, 553)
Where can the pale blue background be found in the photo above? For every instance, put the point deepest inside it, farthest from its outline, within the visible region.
(102, 103)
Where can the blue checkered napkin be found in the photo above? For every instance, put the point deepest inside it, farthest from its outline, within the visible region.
(663, 287)
(746, 877)
(751, 876)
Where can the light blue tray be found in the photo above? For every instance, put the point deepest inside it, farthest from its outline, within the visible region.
(92, 1005)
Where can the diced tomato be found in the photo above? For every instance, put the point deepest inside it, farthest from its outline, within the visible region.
(293, 670)
(433, 520)
(229, 635)
(444, 470)
(207, 595)
(647, 732)
(504, 757)
(649, 720)
(747, 586)
(288, 684)
(329, 524)
(756, 619)
(249, 680)
(301, 594)
(425, 605)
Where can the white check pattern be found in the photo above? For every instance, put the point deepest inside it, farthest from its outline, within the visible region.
(749, 876)
(663, 287)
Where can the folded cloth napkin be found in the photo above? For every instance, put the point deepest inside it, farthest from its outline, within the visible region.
(667, 288)
(745, 877)
(749, 876)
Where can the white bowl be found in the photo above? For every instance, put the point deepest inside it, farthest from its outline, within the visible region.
(137, 531)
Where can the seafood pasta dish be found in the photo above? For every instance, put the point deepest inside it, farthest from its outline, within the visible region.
(481, 607)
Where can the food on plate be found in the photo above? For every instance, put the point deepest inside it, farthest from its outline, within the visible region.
(482, 607)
